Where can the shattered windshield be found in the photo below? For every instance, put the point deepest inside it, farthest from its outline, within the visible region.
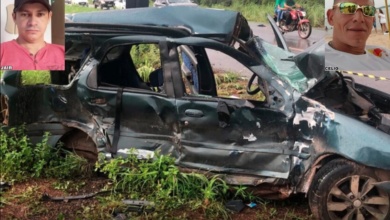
(280, 61)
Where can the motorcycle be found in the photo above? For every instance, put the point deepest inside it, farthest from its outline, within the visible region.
(298, 22)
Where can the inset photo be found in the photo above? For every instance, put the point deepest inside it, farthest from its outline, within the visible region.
(32, 35)
(358, 36)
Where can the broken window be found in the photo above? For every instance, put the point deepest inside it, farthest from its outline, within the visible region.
(189, 70)
(231, 77)
(132, 66)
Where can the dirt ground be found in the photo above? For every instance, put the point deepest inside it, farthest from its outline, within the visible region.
(379, 39)
(23, 201)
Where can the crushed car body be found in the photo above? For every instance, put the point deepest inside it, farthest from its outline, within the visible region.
(313, 129)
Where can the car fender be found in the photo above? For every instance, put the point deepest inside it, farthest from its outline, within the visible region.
(330, 132)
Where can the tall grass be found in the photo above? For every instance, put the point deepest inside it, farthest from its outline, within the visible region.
(159, 179)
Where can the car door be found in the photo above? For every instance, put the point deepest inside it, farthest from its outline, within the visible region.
(133, 114)
(230, 135)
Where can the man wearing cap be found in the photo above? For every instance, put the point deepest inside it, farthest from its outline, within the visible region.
(352, 22)
(29, 51)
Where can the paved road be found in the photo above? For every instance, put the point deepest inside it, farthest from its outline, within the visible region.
(294, 42)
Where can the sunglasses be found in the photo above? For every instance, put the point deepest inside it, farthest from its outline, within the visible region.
(349, 8)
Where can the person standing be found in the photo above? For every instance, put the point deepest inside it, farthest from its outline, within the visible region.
(382, 21)
(29, 51)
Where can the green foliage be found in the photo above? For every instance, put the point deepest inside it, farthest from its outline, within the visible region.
(158, 179)
(32, 77)
(20, 160)
(146, 55)
(146, 58)
(70, 9)
(229, 77)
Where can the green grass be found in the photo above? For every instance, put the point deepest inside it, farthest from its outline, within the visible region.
(33, 77)
(70, 9)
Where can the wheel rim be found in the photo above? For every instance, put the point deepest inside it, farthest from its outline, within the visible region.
(356, 197)
(303, 30)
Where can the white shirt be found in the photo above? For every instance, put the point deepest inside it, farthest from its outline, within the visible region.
(382, 18)
(375, 58)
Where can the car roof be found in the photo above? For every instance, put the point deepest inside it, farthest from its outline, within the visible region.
(222, 25)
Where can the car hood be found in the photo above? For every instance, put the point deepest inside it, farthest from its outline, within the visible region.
(221, 25)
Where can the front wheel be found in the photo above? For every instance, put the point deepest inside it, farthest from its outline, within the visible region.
(345, 190)
(304, 30)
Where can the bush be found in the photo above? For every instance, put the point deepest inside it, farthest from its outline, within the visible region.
(20, 160)
(158, 179)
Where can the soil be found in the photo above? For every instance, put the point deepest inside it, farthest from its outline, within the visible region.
(24, 201)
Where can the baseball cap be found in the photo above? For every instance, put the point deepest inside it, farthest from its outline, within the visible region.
(19, 4)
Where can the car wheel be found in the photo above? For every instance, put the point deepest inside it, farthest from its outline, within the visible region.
(96, 6)
(345, 190)
(81, 144)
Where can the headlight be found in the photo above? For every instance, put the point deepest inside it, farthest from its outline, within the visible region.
(303, 13)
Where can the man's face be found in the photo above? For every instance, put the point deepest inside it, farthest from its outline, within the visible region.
(351, 30)
(32, 20)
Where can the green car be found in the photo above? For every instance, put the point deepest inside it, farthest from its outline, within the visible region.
(300, 129)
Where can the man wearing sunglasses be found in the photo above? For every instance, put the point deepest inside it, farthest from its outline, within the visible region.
(29, 51)
(352, 22)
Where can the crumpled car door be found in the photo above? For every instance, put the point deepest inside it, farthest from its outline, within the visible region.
(231, 135)
(132, 117)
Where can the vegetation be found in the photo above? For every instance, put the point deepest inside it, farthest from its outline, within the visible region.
(155, 179)
(21, 160)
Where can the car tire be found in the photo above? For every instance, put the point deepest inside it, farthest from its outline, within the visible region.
(81, 144)
(96, 6)
(342, 189)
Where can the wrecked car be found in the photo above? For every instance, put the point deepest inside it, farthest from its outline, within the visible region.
(312, 132)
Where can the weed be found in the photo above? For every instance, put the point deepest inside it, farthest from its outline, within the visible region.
(32, 77)
(160, 180)
(20, 159)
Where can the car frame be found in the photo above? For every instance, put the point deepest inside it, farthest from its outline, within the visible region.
(297, 140)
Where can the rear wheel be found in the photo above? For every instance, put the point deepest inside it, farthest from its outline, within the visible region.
(345, 190)
(81, 144)
(304, 30)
